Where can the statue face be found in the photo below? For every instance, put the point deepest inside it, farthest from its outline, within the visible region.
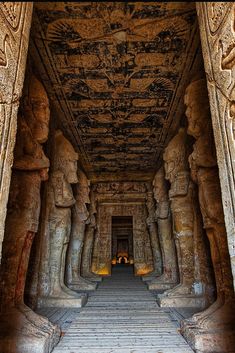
(195, 125)
(44, 174)
(41, 112)
(36, 110)
(170, 165)
(86, 192)
(70, 170)
(198, 111)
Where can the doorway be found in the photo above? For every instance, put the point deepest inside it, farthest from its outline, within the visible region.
(122, 240)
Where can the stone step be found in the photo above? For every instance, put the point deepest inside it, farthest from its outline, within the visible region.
(122, 316)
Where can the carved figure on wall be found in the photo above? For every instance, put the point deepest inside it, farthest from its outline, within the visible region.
(185, 228)
(89, 240)
(59, 203)
(30, 168)
(163, 217)
(204, 171)
(154, 237)
(80, 218)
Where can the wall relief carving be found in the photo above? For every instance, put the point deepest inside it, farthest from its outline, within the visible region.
(217, 37)
(15, 19)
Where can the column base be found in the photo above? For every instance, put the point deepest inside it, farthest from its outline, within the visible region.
(49, 302)
(151, 276)
(206, 341)
(81, 284)
(185, 301)
(20, 335)
(92, 277)
(160, 286)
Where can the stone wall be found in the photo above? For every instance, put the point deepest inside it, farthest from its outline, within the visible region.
(216, 23)
(15, 22)
(122, 199)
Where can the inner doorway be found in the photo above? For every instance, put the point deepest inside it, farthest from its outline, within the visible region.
(122, 240)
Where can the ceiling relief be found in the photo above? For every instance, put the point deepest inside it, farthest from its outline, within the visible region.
(116, 73)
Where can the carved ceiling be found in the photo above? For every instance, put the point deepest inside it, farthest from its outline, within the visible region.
(116, 73)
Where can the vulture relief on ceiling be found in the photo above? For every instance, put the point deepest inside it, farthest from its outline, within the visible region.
(116, 72)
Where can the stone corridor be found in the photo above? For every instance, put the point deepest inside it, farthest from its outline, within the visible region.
(122, 316)
(117, 177)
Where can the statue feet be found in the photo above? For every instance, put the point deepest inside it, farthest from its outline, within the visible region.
(196, 318)
(152, 275)
(90, 276)
(179, 290)
(42, 322)
(182, 296)
(221, 319)
(81, 283)
(213, 330)
(163, 282)
(25, 333)
(63, 297)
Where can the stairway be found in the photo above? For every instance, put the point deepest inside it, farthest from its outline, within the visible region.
(122, 316)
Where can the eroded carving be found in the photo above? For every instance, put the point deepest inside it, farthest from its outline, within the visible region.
(88, 247)
(60, 201)
(192, 289)
(163, 217)
(154, 237)
(80, 218)
(219, 317)
(13, 53)
(29, 169)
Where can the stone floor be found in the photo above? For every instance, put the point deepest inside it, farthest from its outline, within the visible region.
(122, 316)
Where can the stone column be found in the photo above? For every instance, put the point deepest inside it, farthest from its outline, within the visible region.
(217, 29)
(59, 203)
(192, 290)
(80, 218)
(141, 242)
(20, 326)
(154, 238)
(89, 241)
(15, 22)
(214, 328)
(169, 277)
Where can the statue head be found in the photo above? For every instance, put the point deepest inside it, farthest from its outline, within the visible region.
(83, 187)
(160, 191)
(198, 108)
(65, 158)
(176, 155)
(36, 108)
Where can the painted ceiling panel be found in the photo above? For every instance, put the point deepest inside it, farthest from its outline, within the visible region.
(116, 71)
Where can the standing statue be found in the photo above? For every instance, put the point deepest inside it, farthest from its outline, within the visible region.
(89, 241)
(21, 329)
(154, 238)
(80, 218)
(169, 277)
(192, 290)
(59, 203)
(219, 319)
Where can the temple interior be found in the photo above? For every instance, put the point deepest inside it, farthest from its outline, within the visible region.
(117, 177)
